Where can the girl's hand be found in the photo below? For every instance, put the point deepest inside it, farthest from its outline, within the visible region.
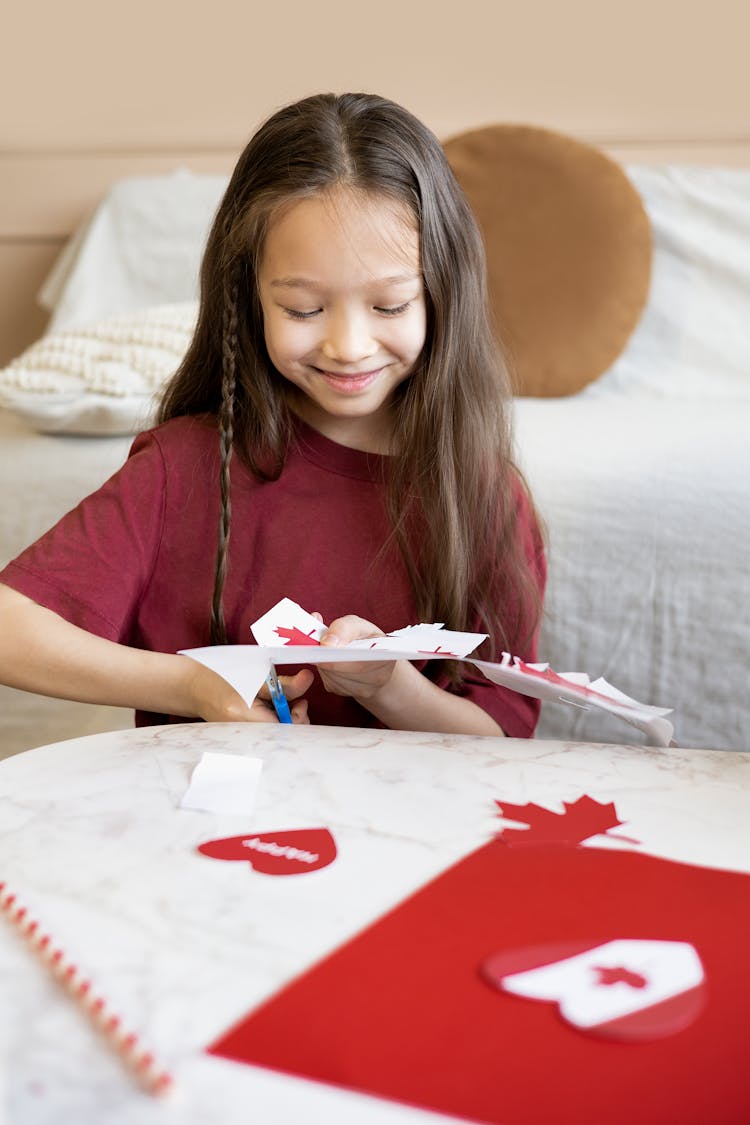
(362, 680)
(216, 701)
(394, 691)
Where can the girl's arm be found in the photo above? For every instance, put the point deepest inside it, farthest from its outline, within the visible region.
(396, 693)
(42, 652)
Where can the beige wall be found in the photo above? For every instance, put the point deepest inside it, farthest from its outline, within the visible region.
(90, 90)
(181, 72)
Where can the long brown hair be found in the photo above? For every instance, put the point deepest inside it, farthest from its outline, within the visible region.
(452, 486)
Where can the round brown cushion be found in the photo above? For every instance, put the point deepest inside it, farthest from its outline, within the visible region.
(568, 251)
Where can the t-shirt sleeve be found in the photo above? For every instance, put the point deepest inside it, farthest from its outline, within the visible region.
(93, 565)
(517, 714)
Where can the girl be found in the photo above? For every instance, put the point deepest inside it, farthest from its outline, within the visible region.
(341, 417)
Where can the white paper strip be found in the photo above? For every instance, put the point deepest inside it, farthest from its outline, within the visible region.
(223, 783)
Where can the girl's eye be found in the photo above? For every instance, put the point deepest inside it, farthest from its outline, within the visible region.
(394, 311)
(295, 314)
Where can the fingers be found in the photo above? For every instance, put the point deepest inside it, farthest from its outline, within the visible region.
(296, 685)
(262, 711)
(346, 629)
(299, 712)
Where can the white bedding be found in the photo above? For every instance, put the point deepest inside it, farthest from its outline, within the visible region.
(647, 505)
(141, 247)
(42, 477)
(643, 478)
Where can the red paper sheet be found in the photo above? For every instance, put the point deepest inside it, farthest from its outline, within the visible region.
(402, 1011)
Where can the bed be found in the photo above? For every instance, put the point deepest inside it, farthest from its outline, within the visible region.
(642, 477)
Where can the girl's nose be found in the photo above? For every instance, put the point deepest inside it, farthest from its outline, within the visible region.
(348, 338)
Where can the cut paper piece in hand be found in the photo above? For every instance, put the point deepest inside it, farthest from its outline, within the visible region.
(627, 989)
(294, 851)
(287, 634)
(426, 641)
(287, 623)
(291, 626)
(223, 783)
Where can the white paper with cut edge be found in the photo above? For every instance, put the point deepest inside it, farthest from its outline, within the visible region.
(541, 682)
(289, 626)
(223, 783)
(245, 667)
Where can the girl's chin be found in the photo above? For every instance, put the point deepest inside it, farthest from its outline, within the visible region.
(366, 429)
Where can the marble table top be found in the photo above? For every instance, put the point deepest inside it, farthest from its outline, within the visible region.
(95, 843)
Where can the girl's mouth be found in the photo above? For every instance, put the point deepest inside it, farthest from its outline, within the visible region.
(350, 384)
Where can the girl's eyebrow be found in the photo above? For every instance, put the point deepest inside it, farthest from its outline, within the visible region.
(306, 283)
(292, 283)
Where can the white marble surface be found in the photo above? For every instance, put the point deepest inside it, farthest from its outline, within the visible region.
(95, 844)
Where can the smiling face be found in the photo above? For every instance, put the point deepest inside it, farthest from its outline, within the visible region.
(344, 315)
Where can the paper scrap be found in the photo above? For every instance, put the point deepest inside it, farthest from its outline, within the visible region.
(287, 623)
(223, 783)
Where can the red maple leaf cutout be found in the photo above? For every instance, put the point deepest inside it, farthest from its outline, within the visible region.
(295, 636)
(581, 820)
(619, 975)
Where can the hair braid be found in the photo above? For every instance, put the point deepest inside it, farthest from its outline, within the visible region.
(226, 442)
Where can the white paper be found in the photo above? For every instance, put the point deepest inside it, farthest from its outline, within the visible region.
(541, 682)
(268, 630)
(288, 625)
(223, 783)
(245, 667)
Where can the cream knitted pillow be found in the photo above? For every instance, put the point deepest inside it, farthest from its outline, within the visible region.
(100, 378)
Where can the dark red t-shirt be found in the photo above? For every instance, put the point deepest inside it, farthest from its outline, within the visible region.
(134, 562)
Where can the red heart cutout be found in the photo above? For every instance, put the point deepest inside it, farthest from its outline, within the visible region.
(294, 852)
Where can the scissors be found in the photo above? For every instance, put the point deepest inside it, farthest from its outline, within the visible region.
(279, 700)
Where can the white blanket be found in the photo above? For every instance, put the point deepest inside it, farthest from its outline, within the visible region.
(648, 515)
(42, 477)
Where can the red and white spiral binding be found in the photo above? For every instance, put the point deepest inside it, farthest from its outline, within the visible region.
(141, 1062)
